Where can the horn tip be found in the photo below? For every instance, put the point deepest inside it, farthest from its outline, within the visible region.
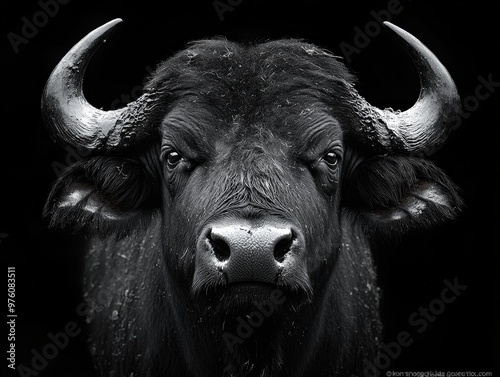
(394, 28)
(116, 21)
(111, 24)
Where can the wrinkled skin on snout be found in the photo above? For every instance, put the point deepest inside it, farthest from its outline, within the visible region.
(231, 207)
(252, 176)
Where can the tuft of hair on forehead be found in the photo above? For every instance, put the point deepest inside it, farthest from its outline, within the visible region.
(241, 76)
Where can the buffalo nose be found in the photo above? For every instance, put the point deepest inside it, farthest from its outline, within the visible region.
(250, 253)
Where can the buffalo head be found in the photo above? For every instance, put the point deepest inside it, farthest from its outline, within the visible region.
(246, 169)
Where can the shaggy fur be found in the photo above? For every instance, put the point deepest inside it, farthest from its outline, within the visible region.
(252, 125)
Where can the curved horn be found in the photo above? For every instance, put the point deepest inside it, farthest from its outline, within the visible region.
(75, 122)
(424, 127)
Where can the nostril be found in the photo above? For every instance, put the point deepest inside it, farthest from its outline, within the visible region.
(282, 247)
(220, 247)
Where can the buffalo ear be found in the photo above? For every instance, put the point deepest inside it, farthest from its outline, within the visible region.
(106, 196)
(401, 194)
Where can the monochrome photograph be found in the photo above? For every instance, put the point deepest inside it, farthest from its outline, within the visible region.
(249, 188)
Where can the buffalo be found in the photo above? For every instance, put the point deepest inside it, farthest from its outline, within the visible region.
(231, 208)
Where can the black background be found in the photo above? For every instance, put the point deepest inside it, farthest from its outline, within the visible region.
(464, 35)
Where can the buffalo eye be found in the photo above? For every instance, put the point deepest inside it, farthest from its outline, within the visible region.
(331, 159)
(173, 158)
